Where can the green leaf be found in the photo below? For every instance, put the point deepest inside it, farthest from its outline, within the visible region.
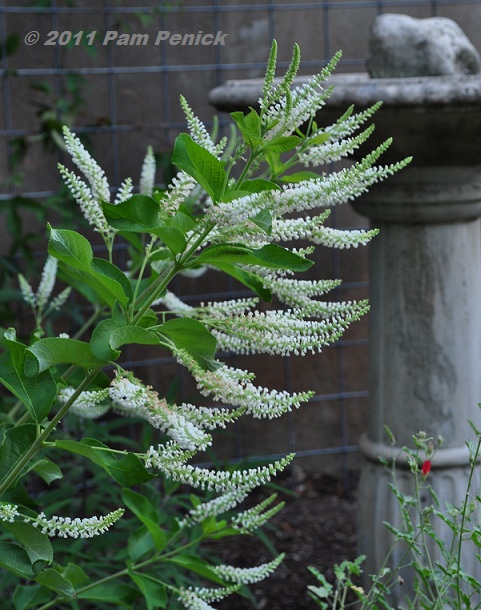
(16, 442)
(276, 257)
(142, 214)
(283, 143)
(250, 186)
(127, 470)
(251, 280)
(264, 221)
(146, 513)
(250, 127)
(271, 256)
(14, 559)
(32, 596)
(100, 341)
(57, 350)
(140, 543)
(108, 337)
(132, 334)
(109, 270)
(192, 336)
(75, 574)
(54, 581)
(36, 393)
(154, 591)
(172, 238)
(201, 165)
(138, 214)
(119, 595)
(47, 470)
(197, 565)
(300, 176)
(77, 262)
(36, 545)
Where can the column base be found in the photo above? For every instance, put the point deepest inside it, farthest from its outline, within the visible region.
(378, 504)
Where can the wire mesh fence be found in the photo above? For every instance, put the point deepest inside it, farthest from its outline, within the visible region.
(114, 71)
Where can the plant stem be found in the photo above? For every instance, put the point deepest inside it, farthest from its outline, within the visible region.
(463, 520)
(10, 478)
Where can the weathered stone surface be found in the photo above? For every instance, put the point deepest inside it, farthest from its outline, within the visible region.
(402, 46)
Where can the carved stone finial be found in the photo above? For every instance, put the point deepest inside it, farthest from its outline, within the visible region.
(402, 46)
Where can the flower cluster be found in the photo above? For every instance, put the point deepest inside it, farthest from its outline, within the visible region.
(253, 518)
(64, 527)
(198, 598)
(246, 576)
(88, 404)
(38, 300)
(8, 512)
(171, 460)
(233, 387)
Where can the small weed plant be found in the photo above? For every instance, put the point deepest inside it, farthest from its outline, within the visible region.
(431, 570)
(90, 515)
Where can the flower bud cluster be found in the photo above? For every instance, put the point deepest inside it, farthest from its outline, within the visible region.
(65, 527)
(87, 404)
(171, 460)
(247, 576)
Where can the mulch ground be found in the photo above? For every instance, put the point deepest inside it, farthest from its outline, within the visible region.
(317, 527)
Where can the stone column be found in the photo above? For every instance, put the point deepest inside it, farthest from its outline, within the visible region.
(425, 340)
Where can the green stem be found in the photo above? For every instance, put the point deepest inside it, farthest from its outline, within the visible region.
(463, 520)
(37, 445)
(125, 572)
(154, 290)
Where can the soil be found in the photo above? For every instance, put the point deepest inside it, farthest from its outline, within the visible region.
(317, 527)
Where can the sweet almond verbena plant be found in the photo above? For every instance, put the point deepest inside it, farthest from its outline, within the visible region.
(207, 219)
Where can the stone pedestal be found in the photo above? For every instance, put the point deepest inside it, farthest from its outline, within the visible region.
(425, 363)
(425, 343)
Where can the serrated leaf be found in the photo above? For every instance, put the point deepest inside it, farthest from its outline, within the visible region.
(206, 169)
(36, 545)
(46, 353)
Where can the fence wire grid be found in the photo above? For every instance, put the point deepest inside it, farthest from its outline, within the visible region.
(125, 97)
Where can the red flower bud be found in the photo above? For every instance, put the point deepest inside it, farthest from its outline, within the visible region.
(426, 467)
